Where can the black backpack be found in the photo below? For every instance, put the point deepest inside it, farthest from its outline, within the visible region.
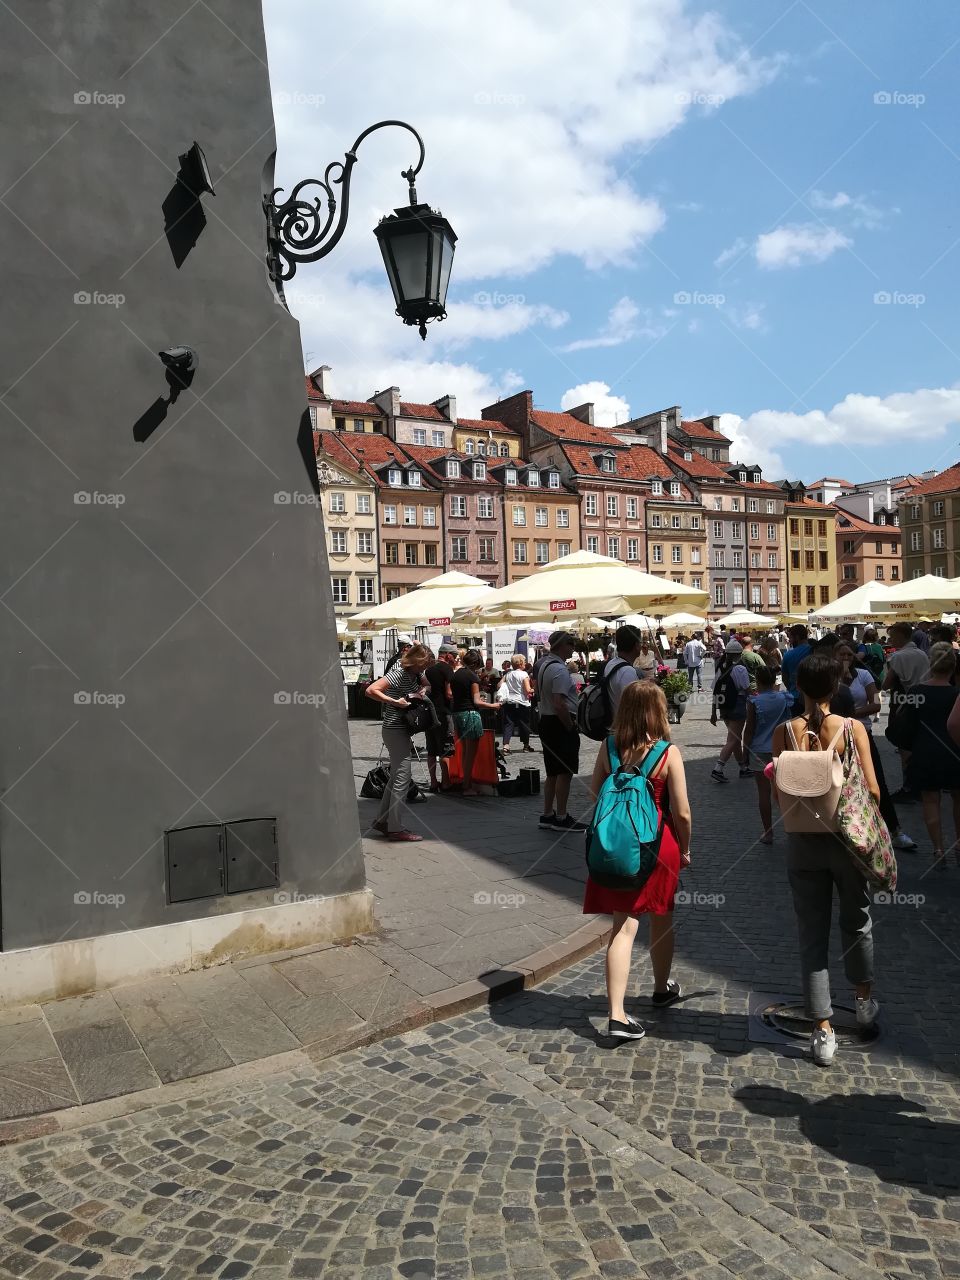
(595, 708)
(726, 694)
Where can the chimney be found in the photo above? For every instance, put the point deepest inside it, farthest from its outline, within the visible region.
(583, 413)
(448, 407)
(655, 427)
(316, 378)
(389, 401)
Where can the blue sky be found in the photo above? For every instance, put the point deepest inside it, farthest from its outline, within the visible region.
(658, 202)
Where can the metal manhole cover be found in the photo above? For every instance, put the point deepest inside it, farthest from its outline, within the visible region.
(780, 1019)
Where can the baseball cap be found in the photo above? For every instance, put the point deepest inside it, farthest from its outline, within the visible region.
(403, 638)
(561, 637)
(733, 646)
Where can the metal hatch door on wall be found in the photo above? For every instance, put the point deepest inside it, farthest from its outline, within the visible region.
(194, 862)
(251, 854)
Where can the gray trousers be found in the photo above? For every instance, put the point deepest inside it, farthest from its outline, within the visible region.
(397, 742)
(815, 864)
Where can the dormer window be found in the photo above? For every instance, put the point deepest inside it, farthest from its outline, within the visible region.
(742, 475)
(414, 479)
(608, 463)
(755, 477)
(881, 519)
(510, 475)
(687, 455)
(468, 448)
(394, 476)
(674, 488)
(533, 478)
(656, 488)
(453, 469)
(553, 479)
(479, 471)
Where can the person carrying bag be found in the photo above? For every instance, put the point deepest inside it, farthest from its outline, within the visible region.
(401, 693)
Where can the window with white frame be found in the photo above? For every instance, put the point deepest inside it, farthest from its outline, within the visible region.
(754, 532)
(458, 548)
(718, 559)
(737, 595)
(479, 471)
(510, 475)
(504, 449)
(553, 479)
(313, 416)
(718, 504)
(593, 543)
(394, 593)
(694, 522)
(453, 469)
(365, 591)
(409, 515)
(736, 530)
(756, 597)
(771, 508)
(938, 508)
(632, 508)
(676, 555)
(541, 552)
(613, 505)
(533, 478)
(590, 504)
(436, 439)
(341, 590)
(656, 553)
(563, 549)
(696, 583)
(541, 517)
(419, 435)
(485, 550)
(754, 559)
(608, 462)
(414, 479)
(917, 573)
(773, 594)
(879, 572)
(338, 542)
(717, 529)
(364, 507)
(656, 520)
(484, 507)
(519, 515)
(915, 511)
(771, 533)
(430, 517)
(656, 488)
(389, 514)
(519, 553)
(613, 547)
(468, 448)
(674, 488)
(338, 502)
(720, 594)
(938, 539)
(939, 572)
(741, 475)
(694, 555)
(364, 542)
(458, 506)
(633, 548)
(674, 522)
(915, 541)
(482, 448)
(753, 504)
(772, 561)
(395, 476)
(738, 559)
(563, 517)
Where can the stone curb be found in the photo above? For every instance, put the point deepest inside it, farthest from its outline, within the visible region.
(487, 988)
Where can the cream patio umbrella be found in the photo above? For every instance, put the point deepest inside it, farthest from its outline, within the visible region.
(432, 604)
(682, 620)
(924, 597)
(859, 605)
(746, 618)
(582, 585)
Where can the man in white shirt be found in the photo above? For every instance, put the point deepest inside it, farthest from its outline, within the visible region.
(619, 670)
(559, 736)
(693, 653)
(906, 667)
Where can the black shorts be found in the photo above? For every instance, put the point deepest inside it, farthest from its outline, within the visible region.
(440, 738)
(561, 747)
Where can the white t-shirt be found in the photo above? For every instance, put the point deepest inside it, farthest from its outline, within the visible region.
(693, 652)
(858, 687)
(624, 675)
(514, 681)
(554, 678)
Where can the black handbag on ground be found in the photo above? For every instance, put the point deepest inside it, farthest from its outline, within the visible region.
(375, 783)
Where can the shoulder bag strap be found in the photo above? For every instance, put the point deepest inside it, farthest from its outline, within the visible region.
(612, 754)
(844, 728)
(653, 756)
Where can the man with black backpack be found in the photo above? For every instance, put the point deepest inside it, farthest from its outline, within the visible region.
(558, 733)
(600, 699)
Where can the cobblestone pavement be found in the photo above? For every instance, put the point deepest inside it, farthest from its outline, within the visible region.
(513, 1141)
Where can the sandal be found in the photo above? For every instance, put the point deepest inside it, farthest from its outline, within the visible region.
(403, 836)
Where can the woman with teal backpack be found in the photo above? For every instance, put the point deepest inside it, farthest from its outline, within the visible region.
(638, 759)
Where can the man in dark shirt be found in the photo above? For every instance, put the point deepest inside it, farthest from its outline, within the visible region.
(440, 738)
(842, 703)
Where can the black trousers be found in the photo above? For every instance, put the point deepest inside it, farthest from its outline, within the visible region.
(888, 810)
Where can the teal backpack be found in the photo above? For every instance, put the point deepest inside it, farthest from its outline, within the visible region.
(623, 843)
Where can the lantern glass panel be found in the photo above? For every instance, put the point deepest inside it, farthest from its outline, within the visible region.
(446, 262)
(410, 256)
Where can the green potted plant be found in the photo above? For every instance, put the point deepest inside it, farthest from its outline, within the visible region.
(676, 690)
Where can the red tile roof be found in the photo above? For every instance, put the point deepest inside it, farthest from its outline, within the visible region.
(328, 442)
(698, 466)
(485, 424)
(566, 427)
(638, 462)
(410, 410)
(702, 432)
(846, 520)
(357, 407)
(941, 483)
(372, 451)
(312, 392)
(427, 455)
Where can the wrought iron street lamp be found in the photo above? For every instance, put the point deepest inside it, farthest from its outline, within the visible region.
(417, 243)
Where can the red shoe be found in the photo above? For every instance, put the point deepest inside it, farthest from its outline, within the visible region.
(402, 836)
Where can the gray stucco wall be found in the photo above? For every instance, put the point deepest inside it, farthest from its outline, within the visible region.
(181, 585)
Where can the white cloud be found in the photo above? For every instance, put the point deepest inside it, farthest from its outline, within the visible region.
(857, 422)
(862, 212)
(608, 410)
(748, 316)
(735, 250)
(792, 246)
(524, 152)
(624, 322)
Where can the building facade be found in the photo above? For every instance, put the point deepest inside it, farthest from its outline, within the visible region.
(419, 424)
(867, 550)
(541, 517)
(349, 500)
(811, 551)
(930, 526)
(491, 439)
(472, 511)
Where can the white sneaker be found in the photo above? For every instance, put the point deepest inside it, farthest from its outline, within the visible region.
(902, 841)
(823, 1045)
(867, 1011)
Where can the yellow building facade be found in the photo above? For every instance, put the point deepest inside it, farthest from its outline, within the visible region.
(811, 554)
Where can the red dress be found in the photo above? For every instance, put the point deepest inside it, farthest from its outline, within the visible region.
(656, 896)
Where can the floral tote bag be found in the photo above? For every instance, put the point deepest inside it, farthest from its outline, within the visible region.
(860, 826)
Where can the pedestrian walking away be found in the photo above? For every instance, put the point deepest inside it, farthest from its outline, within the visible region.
(730, 704)
(906, 666)
(621, 671)
(641, 731)
(693, 654)
(516, 696)
(818, 862)
(558, 733)
(766, 708)
(468, 708)
(397, 690)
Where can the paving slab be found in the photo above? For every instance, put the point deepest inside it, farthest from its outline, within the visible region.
(243, 1024)
(171, 1031)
